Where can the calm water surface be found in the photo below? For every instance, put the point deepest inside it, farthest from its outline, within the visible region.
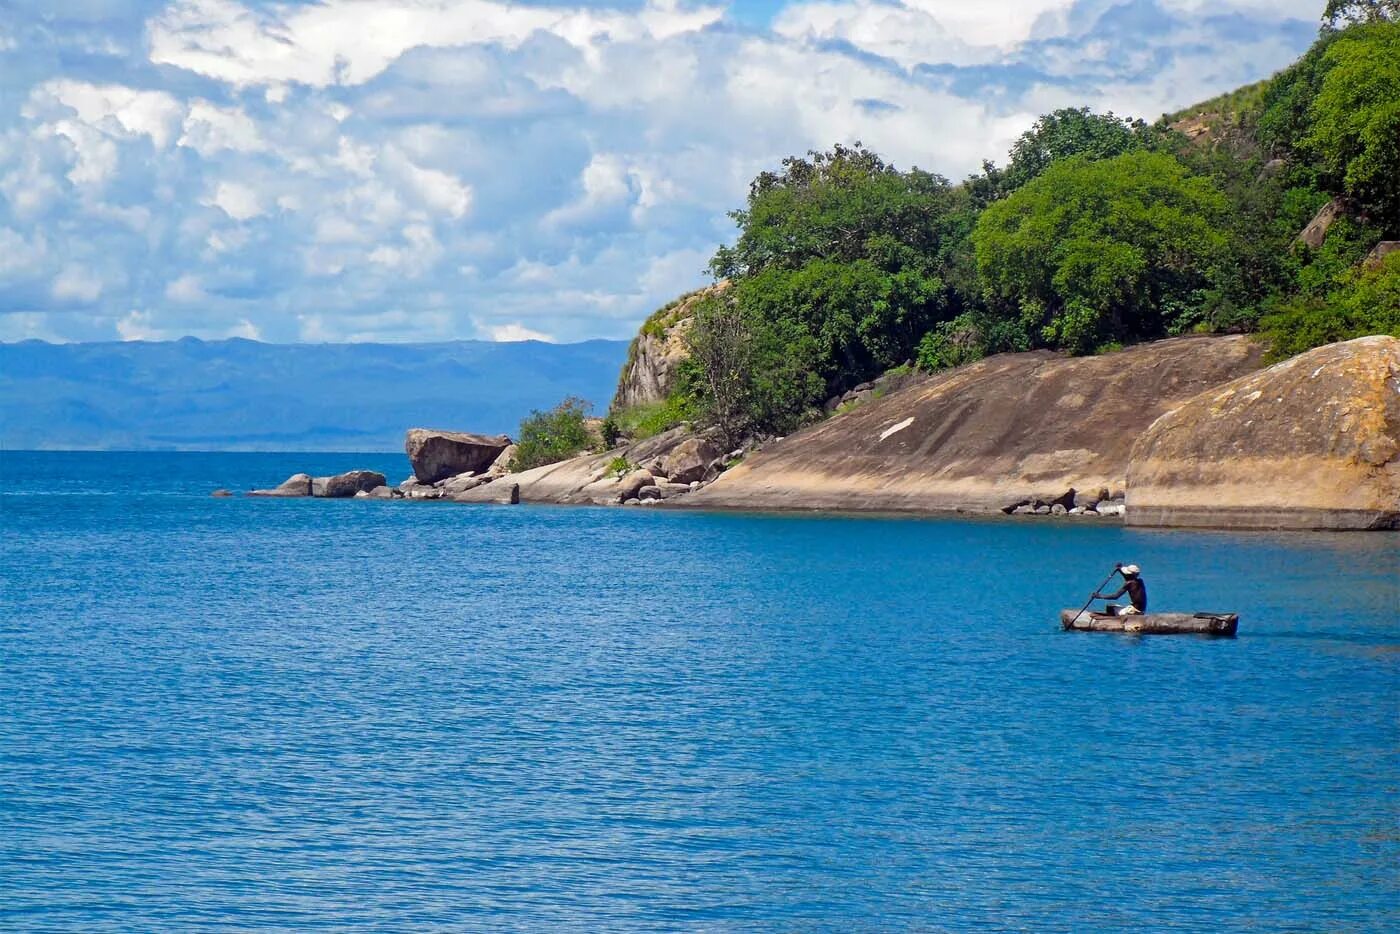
(220, 714)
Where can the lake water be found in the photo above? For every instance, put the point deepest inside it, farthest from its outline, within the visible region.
(220, 714)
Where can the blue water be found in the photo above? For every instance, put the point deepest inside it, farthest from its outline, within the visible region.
(220, 714)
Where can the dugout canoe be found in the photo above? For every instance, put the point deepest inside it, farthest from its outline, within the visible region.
(1206, 624)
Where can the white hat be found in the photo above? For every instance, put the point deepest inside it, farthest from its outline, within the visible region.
(1130, 570)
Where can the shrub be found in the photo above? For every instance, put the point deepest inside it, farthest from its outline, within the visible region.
(619, 467)
(1363, 302)
(967, 338)
(553, 436)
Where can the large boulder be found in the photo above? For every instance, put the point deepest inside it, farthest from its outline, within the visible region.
(345, 485)
(689, 460)
(1311, 443)
(631, 484)
(437, 455)
(298, 484)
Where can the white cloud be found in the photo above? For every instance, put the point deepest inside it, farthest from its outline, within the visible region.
(76, 284)
(237, 200)
(136, 326)
(186, 290)
(208, 129)
(515, 331)
(426, 169)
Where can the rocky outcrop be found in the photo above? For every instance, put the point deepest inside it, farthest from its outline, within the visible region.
(592, 478)
(690, 459)
(1316, 231)
(1310, 443)
(657, 351)
(437, 455)
(1010, 428)
(1379, 252)
(298, 484)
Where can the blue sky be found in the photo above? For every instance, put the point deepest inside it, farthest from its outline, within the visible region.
(437, 169)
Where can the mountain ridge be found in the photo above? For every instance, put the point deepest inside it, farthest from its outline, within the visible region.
(240, 394)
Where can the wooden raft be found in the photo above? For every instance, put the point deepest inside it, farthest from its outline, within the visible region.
(1209, 624)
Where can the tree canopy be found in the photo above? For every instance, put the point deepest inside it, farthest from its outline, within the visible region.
(1355, 120)
(1070, 132)
(1093, 251)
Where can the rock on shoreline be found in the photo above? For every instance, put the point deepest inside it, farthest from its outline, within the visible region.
(438, 455)
(1310, 443)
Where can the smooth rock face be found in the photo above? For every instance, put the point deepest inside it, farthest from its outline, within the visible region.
(345, 485)
(461, 483)
(1007, 429)
(437, 455)
(298, 484)
(689, 460)
(1312, 443)
(501, 492)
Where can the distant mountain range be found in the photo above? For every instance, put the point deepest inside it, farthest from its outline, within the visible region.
(245, 395)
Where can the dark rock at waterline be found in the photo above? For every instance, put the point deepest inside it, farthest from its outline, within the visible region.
(298, 484)
(220, 494)
(438, 455)
(345, 485)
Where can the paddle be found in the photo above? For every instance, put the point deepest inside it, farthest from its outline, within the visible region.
(1115, 570)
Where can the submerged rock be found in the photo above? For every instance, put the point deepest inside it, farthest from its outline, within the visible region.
(298, 484)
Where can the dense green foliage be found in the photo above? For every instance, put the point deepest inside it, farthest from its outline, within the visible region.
(1097, 251)
(556, 435)
(1101, 230)
(842, 264)
(1066, 133)
(1360, 302)
(1355, 132)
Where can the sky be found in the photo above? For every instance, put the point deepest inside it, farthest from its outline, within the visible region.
(418, 170)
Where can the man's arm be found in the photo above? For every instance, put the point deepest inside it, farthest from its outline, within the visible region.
(1111, 596)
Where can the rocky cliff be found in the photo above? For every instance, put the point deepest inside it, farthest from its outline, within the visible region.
(649, 374)
(986, 436)
(1313, 442)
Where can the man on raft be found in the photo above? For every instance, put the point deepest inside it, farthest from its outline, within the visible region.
(1133, 587)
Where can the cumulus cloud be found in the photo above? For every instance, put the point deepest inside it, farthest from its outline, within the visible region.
(434, 169)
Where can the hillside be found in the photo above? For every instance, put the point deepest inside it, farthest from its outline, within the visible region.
(244, 395)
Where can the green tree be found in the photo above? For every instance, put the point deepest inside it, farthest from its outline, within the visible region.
(1094, 251)
(1363, 301)
(1355, 130)
(1360, 11)
(841, 264)
(1069, 132)
(556, 435)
